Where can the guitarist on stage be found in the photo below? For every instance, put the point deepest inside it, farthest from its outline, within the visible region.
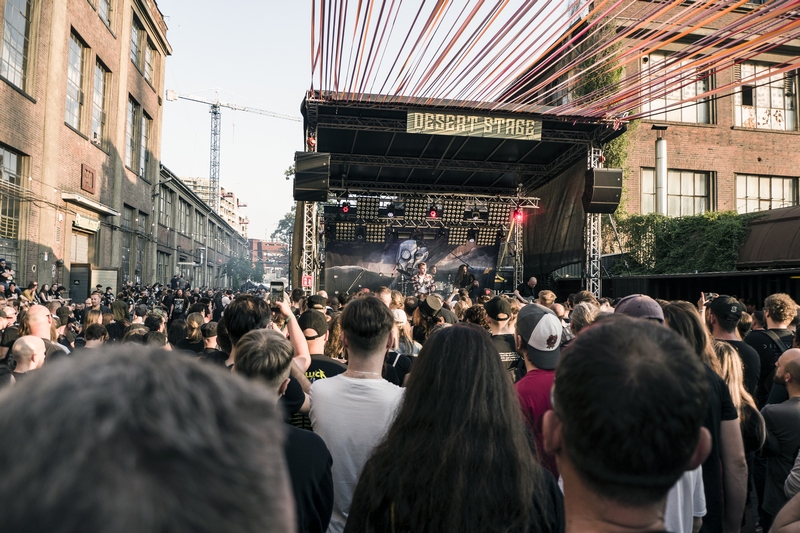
(524, 292)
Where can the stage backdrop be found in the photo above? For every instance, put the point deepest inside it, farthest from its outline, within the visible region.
(350, 266)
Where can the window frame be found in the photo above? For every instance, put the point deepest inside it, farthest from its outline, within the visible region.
(76, 89)
(100, 111)
(669, 115)
(649, 206)
(784, 85)
(792, 181)
(22, 65)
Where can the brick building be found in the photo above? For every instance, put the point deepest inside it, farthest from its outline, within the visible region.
(81, 95)
(736, 151)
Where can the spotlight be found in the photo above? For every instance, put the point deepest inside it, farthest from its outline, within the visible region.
(433, 212)
(346, 207)
(518, 215)
(476, 215)
(472, 235)
(390, 210)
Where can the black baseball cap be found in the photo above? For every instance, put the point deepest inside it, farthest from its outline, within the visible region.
(726, 308)
(315, 320)
(498, 308)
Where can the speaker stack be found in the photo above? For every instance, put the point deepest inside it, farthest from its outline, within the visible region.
(603, 190)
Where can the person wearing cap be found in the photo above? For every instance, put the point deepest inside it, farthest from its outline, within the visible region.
(211, 352)
(449, 316)
(423, 282)
(498, 311)
(426, 316)
(315, 331)
(317, 302)
(722, 316)
(640, 306)
(538, 340)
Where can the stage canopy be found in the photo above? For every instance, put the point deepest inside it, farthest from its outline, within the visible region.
(444, 149)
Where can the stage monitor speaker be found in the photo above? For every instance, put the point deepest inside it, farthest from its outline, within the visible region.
(603, 190)
(311, 176)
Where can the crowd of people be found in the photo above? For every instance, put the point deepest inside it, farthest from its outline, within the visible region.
(176, 408)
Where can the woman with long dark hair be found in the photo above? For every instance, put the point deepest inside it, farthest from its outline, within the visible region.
(458, 456)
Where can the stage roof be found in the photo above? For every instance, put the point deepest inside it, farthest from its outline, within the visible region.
(372, 148)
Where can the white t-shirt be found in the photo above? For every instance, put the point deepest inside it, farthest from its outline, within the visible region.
(685, 501)
(351, 415)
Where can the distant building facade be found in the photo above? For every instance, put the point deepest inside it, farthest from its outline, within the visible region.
(270, 259)
(230, 207)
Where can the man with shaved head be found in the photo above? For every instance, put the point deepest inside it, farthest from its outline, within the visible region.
(783, 433)
(29, 355)
(38, 322)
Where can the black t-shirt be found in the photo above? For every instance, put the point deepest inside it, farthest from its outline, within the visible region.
(309, 464)
(214, 356)
(525, 290)
(396, 367)
(508, 352)
(321, 367)
(752, 364)
(768, 352)
(720, 408)
(178, 306)
(292, 400)
(194, 347)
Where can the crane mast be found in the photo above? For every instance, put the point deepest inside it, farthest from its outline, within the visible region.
(216, 129)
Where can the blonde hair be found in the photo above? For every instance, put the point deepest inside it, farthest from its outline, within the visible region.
(731, 370)
(546, 298)
(193, 323)
(93, 316)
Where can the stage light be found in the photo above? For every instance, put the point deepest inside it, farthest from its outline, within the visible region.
(368, 207)
(390, 210)
(345, 231)
(472, 235)
(346, 207)
(433, 211)
(518, 215)
(376, 233)
(457, 236)
(476, 215)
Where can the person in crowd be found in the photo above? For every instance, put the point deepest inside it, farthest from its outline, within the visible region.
(96, 336)
(156, 339)
(459, 394)
(39, 322)
(686, 503)
(177, 332)
(404, 343)
(44, 295)
(76, 429)
(582, 316)
(12, 292)
(6, 273)
(616, 473)
(498, 313)
(352, 411)
(156, 321)
(193, 341)
(266, 356)
(586, 296)
(116, 329)
(179, 305)
(783, 435)
(546, 298)
(96, 303)
(31, 294)
(427, 315)
(538, 340)
(634, 305)
(725, 469)
(136, 334)
(477, 315)
(771, 342)
(745, 326)
(333, 346)
(139, 314)
(525, 291)
(29, 353)
(722, 314)
(211, 351)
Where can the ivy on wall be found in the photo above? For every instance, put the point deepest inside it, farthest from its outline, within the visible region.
(657, 244)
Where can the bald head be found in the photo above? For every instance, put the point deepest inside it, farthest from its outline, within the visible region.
(28, 352)
(787, 371)
(38, 320)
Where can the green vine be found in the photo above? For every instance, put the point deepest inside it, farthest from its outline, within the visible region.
(657, 244)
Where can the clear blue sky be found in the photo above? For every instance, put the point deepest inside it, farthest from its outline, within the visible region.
(257, 53)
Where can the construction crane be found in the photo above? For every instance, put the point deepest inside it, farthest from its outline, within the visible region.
(216, 125)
